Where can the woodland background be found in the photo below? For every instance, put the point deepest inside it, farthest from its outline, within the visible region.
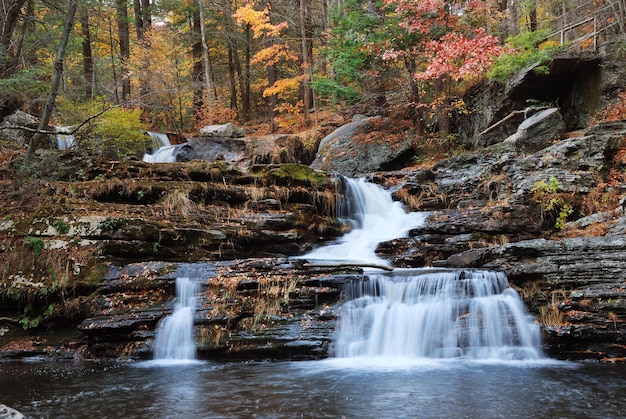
(113, 68)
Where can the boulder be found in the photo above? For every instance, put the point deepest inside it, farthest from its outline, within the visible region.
(538, 131)
(228, 130)
(350, 152)
(10, 128)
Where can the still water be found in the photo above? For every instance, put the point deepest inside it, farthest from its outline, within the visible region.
(334, 388)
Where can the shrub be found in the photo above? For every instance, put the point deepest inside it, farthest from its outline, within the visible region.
(522, 51)
(116, 133)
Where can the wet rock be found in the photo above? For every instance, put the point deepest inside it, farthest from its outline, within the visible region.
(7, 412)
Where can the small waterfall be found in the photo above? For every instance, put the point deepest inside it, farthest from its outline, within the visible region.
(163, 150)
(159, 140)
(66, 141)
(375, 218)
(441, 314)
(165, 154)
(175, 334)
(420, 313)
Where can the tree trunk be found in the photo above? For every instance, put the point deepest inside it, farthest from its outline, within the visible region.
(231, 74)
(197, 70)
(306, 64)
(272, 73)
(414, 95)
(379, 98)
(205, 59)
(87, 55)
(10, 13)
(124, 39)
(244, 82)
(56, 81)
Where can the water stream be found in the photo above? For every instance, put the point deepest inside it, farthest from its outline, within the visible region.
(420, 313)
(175, 339)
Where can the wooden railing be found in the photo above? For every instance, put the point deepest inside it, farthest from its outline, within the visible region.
(588, 33)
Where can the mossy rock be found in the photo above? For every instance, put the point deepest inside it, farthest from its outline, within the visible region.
(290, 174)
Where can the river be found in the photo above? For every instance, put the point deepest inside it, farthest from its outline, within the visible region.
(332, 388)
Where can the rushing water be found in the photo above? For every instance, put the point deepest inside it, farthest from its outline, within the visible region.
(412, 344)
(319, 389)
(375, 218)
(436, 314)
(175, 339)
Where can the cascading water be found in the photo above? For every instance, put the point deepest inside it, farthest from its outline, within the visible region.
(175, 334)
(164, 150)
(436, 314)
(375, 218)
(420, 313)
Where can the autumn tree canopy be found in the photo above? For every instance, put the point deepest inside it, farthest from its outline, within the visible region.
(176, 65)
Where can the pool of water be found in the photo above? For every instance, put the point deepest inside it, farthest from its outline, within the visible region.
(334, 388)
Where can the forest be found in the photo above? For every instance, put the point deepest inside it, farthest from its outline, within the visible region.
(110, 69)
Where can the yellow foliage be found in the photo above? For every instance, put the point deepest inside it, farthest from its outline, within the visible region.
(284, 88)
(273, 55)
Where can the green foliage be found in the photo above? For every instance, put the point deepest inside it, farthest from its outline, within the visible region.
(546, 194)
(116, 133)
(30, 319)
(109, 224)
(353, 52)
(525, 50)
(337, 92)
(36, 244)
(61, 226)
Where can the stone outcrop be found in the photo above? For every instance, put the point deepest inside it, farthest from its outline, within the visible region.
(356, 149)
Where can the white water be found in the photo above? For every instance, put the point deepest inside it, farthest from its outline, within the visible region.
(438, 314)
(175, 339)
(414, 314)
(66, 141)
(162, 155)
(164, 149)
(375, 218)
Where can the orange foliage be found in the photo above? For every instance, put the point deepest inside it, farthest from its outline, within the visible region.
(614, 112)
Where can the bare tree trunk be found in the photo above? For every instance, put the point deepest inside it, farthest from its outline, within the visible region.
(272, 73)
(9, 17)
(87, 55)
(197, 71)
(306, 64)
(231, 74)
(244, 81)
(56, 81)
(124, 39)
(205, 58)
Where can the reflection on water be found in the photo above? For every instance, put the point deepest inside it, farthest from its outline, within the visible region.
(330, 388)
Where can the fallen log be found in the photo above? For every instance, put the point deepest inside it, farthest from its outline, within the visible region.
(347, 265)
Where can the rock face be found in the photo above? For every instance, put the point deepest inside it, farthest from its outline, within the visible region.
(350, 151)
(489, 208)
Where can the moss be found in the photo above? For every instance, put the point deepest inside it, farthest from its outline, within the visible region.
(290, 174)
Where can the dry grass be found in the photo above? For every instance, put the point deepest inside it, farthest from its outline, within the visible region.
(177, 202)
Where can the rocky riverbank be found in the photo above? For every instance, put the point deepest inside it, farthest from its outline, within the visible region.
(90, 248)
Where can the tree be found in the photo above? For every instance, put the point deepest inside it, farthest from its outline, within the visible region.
(121, 8)
(9, 18)
(56, 81)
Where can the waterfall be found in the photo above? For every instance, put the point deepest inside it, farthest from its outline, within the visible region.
(66, 141)
(165, 154)
(375, 217)
(159, 140)
(420, 313)
(175, 334)
(436, 314)
(163, 150)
